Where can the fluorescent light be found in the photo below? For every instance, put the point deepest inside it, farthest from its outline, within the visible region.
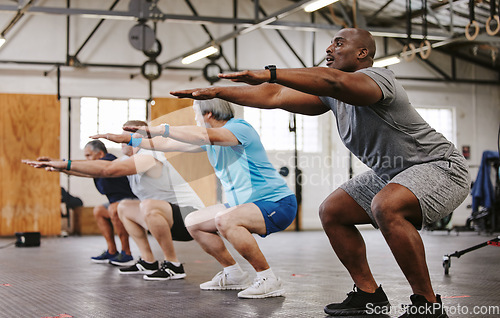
(387, 61)
(318, 5)
(2, 41)
(199, 55)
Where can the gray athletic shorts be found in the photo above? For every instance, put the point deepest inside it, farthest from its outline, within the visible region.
(440, 187)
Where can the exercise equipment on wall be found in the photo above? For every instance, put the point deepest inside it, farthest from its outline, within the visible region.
(472, 22)
(425, 45)
(409, 44)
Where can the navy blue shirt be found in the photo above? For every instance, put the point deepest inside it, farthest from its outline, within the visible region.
(115, 189)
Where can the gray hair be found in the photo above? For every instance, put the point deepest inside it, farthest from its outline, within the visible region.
(96, 146)
(220, 109)
(135, 123)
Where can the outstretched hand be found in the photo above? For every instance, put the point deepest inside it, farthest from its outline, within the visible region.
(52, 165)
(248, 77)
(145, 131)
(196, 93)
(118, 138)
(45, 158)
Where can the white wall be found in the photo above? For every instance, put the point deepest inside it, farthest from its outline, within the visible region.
(42, 38)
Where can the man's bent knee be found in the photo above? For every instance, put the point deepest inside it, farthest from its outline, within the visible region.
(113, 215)
(389, 211)
(223, 222)
(100, 212)
(153, 208)
(190, 221)
(330, 213)
(123, 206)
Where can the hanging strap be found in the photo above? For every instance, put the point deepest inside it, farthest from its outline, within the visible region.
(472, 15)
(409, 45)
(425, 45)
(424, 18)
(408, 21)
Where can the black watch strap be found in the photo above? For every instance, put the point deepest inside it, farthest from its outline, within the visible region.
(272, 69)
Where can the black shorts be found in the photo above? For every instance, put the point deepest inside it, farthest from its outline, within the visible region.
(178, 230)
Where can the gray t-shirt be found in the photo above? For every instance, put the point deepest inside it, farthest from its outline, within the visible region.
(388, 136)
(169, 186)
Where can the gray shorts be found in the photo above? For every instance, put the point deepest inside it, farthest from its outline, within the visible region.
(440, 187)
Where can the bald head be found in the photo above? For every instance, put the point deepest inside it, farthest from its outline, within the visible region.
(364, 40)
(351, 49)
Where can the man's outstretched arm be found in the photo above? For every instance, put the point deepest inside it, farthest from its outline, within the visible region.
(98, 168)
(266, 96)
(185, 137)
(150, 138)
(296, 90)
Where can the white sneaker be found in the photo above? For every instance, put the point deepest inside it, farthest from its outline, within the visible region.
(223, 281)
(263, 288)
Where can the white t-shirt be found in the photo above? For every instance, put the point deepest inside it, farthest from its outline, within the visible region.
(170, 186)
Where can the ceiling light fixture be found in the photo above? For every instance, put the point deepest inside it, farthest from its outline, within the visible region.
(318, 5)
(199, 55)
(386, 61)
(2, 41)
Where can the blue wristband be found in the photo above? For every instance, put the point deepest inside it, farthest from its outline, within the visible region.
(134, 142)
(166, 133)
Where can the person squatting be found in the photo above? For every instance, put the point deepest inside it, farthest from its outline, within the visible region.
(375, 121)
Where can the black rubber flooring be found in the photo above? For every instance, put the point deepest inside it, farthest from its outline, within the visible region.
(57, 279)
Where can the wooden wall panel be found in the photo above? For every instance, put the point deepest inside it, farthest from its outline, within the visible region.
(194, 167)
(29, 198)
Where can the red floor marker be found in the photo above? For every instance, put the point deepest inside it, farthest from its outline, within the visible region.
(298, 275)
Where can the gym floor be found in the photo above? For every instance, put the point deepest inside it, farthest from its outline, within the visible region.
(57, 279)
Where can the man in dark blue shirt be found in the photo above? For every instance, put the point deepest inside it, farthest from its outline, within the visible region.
(106, 215)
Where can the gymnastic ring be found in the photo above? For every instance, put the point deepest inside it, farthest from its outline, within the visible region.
(476, 32)
(410, 57)
(424, 54)
(488, 28)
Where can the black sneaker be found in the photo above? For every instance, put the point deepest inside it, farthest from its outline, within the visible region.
(141, 267)
(421, 308)
(359, 302)
(167, 271)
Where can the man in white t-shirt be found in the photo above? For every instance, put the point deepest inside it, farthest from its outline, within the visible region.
(165, 199)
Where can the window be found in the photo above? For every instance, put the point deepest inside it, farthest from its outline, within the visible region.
(107, 116)
(441, 119)
(272, 126)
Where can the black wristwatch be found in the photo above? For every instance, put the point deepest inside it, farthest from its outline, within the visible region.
(272, 69)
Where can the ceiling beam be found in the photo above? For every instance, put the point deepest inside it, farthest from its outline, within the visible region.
(244, 23)
(244, 30)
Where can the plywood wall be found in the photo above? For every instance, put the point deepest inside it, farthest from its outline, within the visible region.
(194, 167)
(29, 198)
